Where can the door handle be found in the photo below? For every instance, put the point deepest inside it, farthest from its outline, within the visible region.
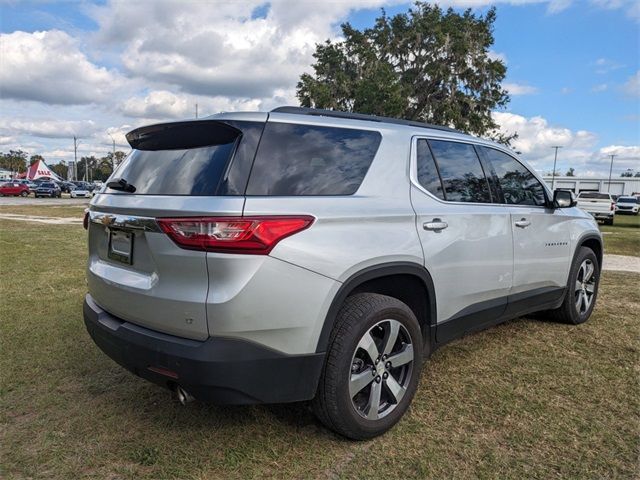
(523, 223)
(436, 225)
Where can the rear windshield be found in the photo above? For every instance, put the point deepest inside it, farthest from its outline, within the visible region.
(194, 171)
(200, 171)
(297, 160)
(595, 195)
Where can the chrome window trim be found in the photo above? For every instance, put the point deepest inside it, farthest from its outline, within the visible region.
(413, 172)
(129, 222)
(547, 190)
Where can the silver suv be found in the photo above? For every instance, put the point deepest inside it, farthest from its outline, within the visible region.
(304, 254)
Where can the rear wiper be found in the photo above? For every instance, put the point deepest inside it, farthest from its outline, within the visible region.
(121, 184)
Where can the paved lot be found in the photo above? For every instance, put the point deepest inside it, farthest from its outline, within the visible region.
(65, 200)
(621, 263)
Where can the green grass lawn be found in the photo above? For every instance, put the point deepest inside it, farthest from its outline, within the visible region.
(65, 211)
(623, 237)
(527, 399)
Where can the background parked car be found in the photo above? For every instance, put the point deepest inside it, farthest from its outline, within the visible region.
(86, 185)
(628, 205)
(48, 189)
(80, 192)
(14, 188)
(67, 187)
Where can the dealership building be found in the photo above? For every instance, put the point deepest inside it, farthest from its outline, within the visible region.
(618, 186)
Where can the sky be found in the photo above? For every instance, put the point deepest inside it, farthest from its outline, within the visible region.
(99, 69)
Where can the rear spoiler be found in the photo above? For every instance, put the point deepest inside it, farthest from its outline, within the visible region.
(182, 135)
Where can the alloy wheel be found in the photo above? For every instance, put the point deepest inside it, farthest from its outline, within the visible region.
(585, 286)
(381, 369)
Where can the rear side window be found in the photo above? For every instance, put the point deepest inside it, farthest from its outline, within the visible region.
(428, 175)
(519, 186)
(311, 160)
(595, 196)
(461, 172)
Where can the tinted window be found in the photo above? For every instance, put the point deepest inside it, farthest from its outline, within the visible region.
(236, 179)
(309, 160)
(461, 172)
(519, 186)
(428, 175)
(628, 200)
(596, 196)
(194, 171)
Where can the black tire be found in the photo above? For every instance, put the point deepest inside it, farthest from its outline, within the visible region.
(568, 311)
(24, 194)
(333, 404)
(608, 221)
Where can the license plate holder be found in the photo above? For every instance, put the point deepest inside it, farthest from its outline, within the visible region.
(120, 246)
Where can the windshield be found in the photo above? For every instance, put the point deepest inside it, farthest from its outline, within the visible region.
(47, 185)
(628, 200)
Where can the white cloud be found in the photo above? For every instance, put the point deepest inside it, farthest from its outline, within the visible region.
(49, 67)
(604, 65)
(497, 56)
(519, 89)
(221, 51)
(536, 139)
(566, 90)
(632, 86)
(632, 7)
(49, 128)
(162, 104)
(602, 87)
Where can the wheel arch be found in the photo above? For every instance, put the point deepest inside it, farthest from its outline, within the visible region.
(409, 282)
(594, 242)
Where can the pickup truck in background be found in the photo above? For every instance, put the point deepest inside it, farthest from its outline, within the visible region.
(600, 205)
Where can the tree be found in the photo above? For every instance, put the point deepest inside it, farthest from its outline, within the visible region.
(571, 172)
(637, 174)
(120, 156)
(15, 160)
(59, 169)
(427, 65)
(35, 158)
(627, 173)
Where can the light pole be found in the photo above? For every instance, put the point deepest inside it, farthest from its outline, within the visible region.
(75, 158)
(113, 158)
(610, 169)
(553, 173)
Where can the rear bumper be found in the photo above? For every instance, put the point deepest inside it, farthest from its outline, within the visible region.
(218, 370)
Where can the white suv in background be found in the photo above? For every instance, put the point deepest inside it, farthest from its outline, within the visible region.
(315, 255)
(628, 205)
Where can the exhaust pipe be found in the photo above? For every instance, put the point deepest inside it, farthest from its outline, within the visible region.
(183, 396)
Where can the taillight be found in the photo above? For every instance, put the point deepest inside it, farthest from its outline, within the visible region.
(613, 207)
(252, 235)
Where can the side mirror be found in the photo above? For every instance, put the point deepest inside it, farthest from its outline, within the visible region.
(564, 199)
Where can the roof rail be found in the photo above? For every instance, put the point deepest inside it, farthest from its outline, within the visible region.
(359, 116)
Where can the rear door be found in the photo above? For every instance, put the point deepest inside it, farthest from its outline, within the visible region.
(188, 169)
(541, 237)
(465, 234)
